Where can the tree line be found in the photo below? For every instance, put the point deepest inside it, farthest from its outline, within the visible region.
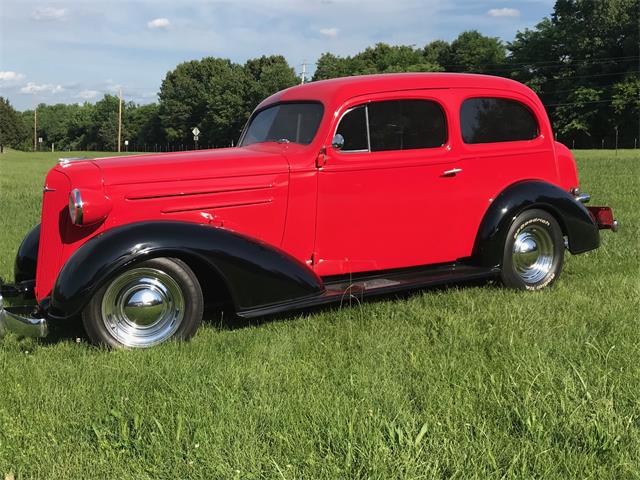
(583, 61)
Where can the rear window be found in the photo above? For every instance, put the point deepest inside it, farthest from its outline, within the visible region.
(489, 120)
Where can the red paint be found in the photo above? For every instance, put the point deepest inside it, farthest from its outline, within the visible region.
(603, 216)
(349, 212)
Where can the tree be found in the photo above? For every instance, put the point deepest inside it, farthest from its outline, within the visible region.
(269, 75)
(474, 52)
(437, 52)
(584, 46)
(381, 58)
(211, 94)
(331, 66)
(142, 125)
(12, 129)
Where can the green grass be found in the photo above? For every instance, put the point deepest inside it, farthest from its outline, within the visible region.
(468, 382)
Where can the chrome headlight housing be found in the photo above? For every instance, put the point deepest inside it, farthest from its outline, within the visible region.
(76, 206)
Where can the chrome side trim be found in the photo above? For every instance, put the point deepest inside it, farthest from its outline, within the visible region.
(20, 323)
(366, 116)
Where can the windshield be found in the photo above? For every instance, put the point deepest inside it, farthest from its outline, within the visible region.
(285, 122)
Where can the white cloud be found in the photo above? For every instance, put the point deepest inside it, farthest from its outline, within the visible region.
(88, 94)
(46, 14)
(158, 23)
(9, 77)
(504, 12)
(330, 32)
(33, 88)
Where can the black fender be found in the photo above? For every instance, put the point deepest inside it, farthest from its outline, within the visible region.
(255, 273)
(573, 217)
(27, 256)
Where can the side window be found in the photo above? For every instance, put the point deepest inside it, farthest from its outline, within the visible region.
(353, 127)
(488, 120)
(406, 124)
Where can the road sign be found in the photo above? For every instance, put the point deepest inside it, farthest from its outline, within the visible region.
(126, 142)
(39, 139)
(195, 138)
(195, 131)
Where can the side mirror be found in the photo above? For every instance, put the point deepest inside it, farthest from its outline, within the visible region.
(337, 142)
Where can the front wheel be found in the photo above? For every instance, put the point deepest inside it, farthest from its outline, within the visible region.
(145, 305)
(533, 251)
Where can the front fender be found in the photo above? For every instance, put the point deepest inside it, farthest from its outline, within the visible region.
(27, 256)
(256, 274)
(573, 217)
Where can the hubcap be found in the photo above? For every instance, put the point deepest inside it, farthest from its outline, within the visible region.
(532, 255)
(143, 307)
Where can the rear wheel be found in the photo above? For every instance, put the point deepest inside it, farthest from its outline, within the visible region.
(145, 305)
(533, 251)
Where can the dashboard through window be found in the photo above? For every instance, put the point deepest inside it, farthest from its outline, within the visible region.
(393, 125)
(284, 122)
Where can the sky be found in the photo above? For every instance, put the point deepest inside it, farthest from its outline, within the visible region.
(72, 51)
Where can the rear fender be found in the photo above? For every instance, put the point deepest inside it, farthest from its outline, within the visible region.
(573, 217)
(256, 274)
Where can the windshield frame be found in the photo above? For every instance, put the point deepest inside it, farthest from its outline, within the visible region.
(276, 104)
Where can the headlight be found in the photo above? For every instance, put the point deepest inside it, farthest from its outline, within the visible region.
(76, 206)
(89, 207)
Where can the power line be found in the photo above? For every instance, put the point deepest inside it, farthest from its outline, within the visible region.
(608, 100)
(558, 63)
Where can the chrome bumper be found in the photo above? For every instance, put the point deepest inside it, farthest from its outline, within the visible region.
(19, 321)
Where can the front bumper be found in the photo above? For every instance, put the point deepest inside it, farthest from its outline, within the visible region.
(21, 321)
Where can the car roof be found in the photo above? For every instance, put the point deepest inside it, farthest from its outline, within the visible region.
(334, 92)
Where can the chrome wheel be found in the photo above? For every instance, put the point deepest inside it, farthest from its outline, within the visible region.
(143, 307)
(532, 254)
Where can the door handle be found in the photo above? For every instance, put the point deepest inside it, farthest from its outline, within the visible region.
(451, 173)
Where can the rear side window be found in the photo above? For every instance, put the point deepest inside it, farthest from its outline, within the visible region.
(488, 120)
(393, 125)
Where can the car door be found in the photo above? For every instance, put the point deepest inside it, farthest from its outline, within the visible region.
(386, 197)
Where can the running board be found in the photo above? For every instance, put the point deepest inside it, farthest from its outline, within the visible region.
(339, 288)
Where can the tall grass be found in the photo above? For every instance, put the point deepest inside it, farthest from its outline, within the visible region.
(465, 382)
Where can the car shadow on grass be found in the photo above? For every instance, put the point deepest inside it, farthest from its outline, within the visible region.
(229, 321)
(223, 318)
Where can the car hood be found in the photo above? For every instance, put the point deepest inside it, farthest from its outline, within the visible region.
(224, 162)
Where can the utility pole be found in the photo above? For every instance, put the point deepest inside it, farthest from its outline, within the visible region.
(119, 118)
(35, 128)
(304, 72)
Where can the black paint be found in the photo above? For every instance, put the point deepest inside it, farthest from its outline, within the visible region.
(255, 273)
(572, 216)
(27, 256)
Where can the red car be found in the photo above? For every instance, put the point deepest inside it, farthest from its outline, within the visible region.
(361, 185)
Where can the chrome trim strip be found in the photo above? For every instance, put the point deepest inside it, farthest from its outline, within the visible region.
(65, 160)
(366, 116)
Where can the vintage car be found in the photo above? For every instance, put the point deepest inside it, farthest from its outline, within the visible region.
(354, 186)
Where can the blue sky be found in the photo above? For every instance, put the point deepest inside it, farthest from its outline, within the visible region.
(76, 50)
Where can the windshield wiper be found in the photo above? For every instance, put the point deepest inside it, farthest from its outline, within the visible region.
(284, 140)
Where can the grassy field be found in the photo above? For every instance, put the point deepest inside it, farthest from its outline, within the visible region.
(467, 382)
